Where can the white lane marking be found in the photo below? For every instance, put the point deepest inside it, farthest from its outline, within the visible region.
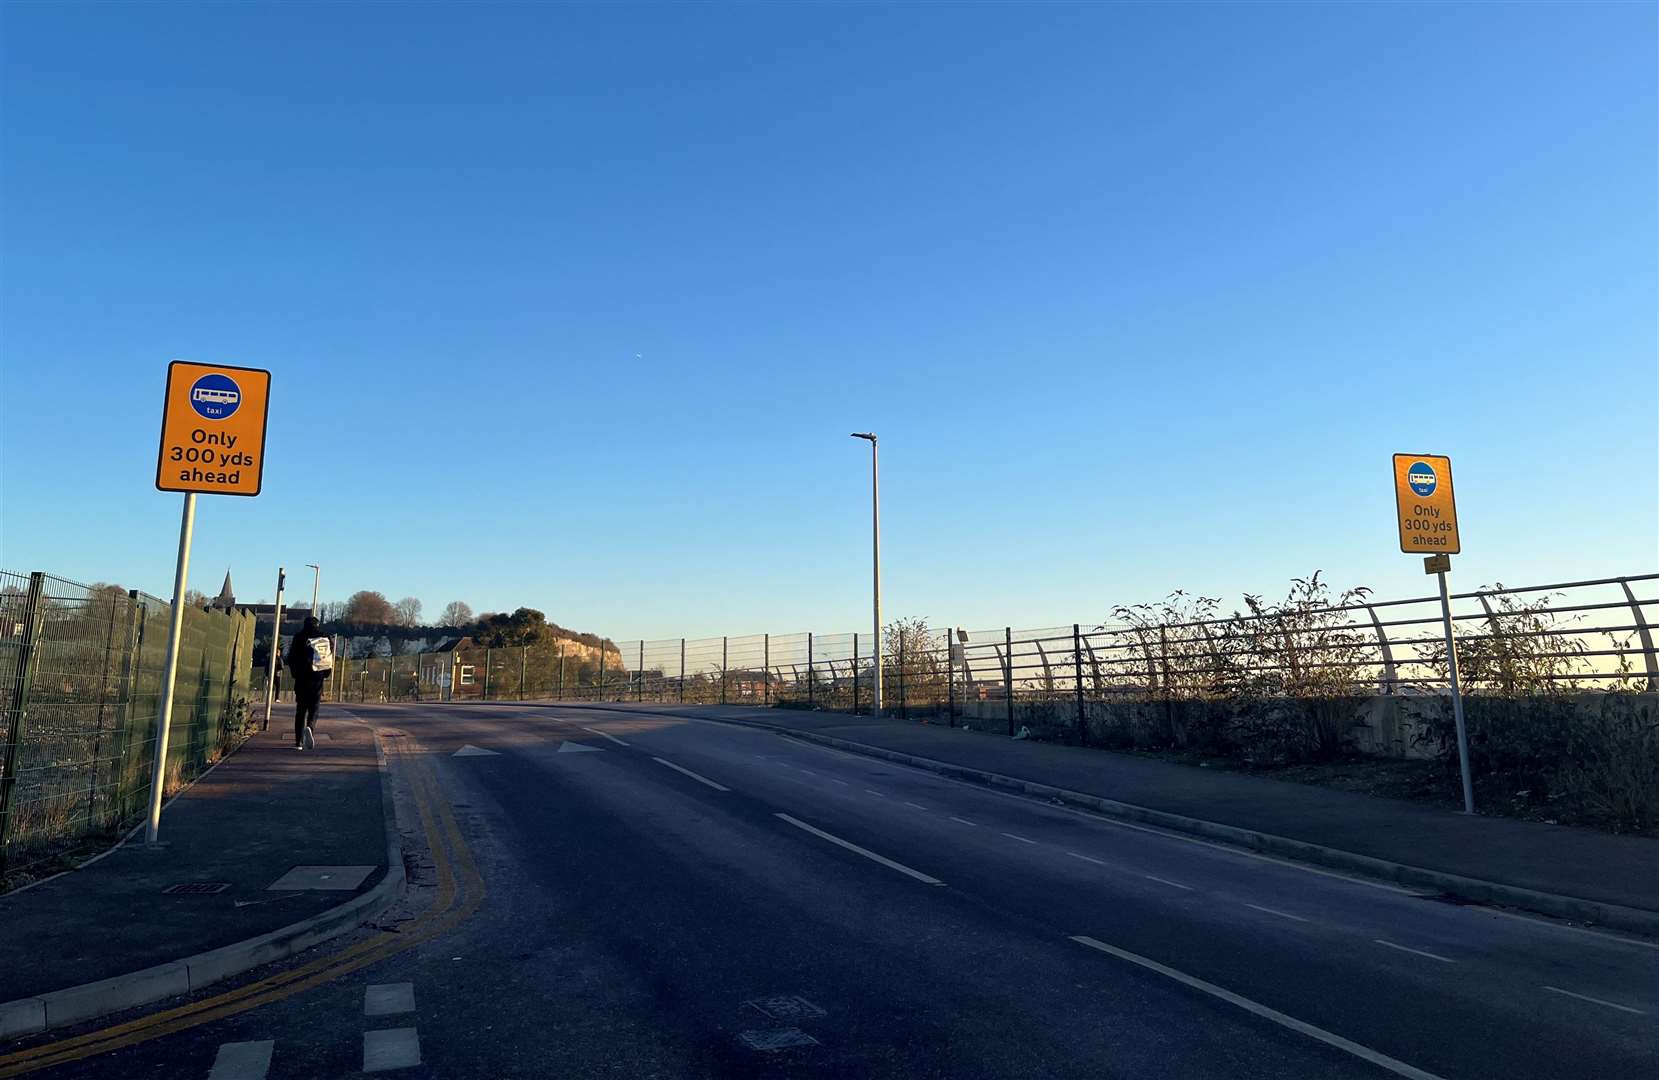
(1415, 952)
(1276, 911)
(843, 783)
(1101, 819)
(809, 772)
(602, 735)
(917, 805)
(393, 1048)
(873, 791)
(1301, 1027)
(242, 1061)
(1166, 881)
(963, 820)
(1088, 858)
(694, 776)
(388, 999)
(866, 852)
(1021, 839)
(1595, 1001)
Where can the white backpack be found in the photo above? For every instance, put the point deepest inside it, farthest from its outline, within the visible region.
(322, 655)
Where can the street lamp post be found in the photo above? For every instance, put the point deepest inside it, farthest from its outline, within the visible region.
(316, 580)
(875, 550)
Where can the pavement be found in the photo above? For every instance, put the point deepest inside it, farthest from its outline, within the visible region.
(230, 839)
(1598, 869)
(641, 894)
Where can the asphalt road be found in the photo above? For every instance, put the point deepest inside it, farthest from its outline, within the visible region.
(676, 898)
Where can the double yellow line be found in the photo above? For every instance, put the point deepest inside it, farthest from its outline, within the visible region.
(460, 892)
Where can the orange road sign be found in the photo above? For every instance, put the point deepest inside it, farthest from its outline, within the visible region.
(1427, 508)
(213, 429)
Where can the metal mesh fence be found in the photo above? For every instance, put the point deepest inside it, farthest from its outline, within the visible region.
(1596, 634)
(81, 669)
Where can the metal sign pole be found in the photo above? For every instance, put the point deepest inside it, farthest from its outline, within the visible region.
(1457, 696)
(175, 631)
(276, 648)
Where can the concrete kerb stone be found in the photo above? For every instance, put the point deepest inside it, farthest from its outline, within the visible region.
(77, 1004)
(1610, 916)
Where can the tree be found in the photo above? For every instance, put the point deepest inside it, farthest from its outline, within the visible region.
(409, 611)
(456, 613)
(526, 626)
(196, 598)
(368, 608)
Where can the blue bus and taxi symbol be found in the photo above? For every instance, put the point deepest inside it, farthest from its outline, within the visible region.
(1421, 479)
(215, 396)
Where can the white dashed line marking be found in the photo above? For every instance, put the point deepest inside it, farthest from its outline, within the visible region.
(388, 999)
(866, 852)
(1364, 1053)
(396, 1048)
(1021, 839)
(1166, 881)
(1276, 911)
(1595, 1001)
(1088, 858)
(872, 791)
(242, 1061)
(809, 772)
(602, 735)
(843, 783)
(688, 772)
(963, 820)
(1415, 952)
(917, 805)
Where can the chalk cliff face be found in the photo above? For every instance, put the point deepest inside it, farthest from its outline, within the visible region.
(379, 646)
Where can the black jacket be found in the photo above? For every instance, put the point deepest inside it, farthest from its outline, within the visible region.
(299, 661)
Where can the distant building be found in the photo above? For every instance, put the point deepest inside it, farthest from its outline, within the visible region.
(226, 600)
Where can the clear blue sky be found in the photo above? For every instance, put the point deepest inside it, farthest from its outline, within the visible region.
(574, 307)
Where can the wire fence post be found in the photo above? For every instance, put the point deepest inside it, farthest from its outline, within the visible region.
(103, 698)
(1646, 636)
(601, 696)
(855, 674)
(561, 696)
(1077, 667)
(723, 670)
(486, 674)
(682, 671)
(904, 704)
(1008, 673)
(811, 679)
(950, 678)
(21, 678)
(639, 695)
(766, 666)
(131, 658)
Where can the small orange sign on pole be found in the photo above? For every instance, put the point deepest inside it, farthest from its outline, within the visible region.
(1427, 509)
(213, 429)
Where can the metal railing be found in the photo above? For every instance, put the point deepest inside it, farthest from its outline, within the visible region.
(80, 687)
(1596, 634)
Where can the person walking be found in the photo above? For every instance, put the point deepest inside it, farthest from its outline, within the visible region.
(310, 660)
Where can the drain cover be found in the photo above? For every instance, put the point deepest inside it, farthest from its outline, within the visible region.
(786, 1007)
(780, 1039)
(196, 888)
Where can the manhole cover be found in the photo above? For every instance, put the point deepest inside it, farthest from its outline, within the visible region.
(780, 1039)
(196, 888)
(341, 878)
(786, 1007)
